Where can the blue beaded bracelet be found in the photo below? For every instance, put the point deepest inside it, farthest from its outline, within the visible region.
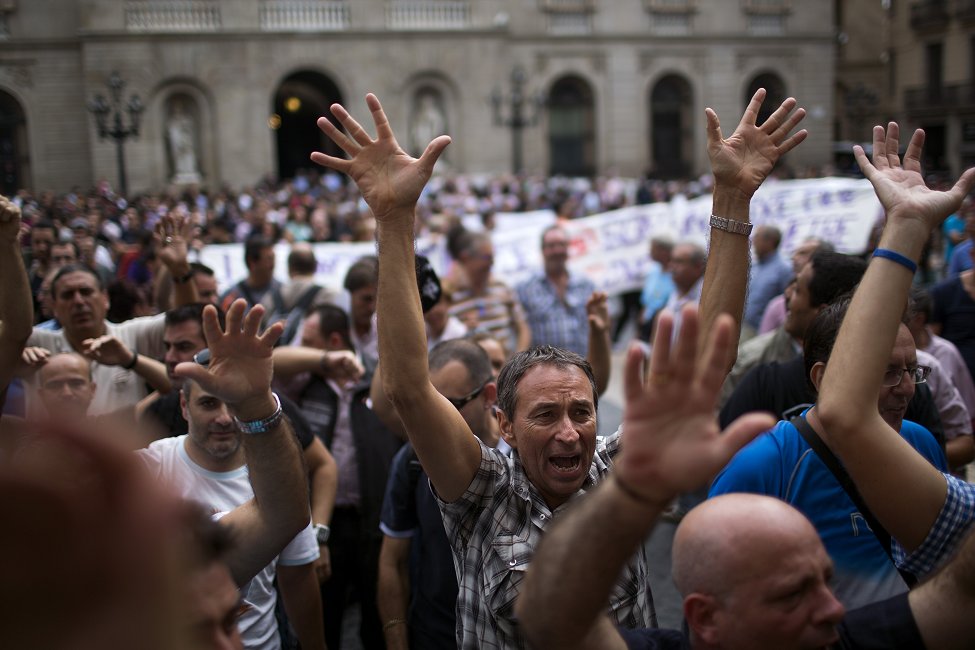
(906, 262)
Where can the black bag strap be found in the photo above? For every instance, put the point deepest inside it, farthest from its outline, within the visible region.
(244, 291)
(304, 301)
(832, 462)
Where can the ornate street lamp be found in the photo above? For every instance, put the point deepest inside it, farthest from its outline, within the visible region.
(523, 112)
(109, 118)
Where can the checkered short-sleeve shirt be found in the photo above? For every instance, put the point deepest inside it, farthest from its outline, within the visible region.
(494, 529)
(955, 519)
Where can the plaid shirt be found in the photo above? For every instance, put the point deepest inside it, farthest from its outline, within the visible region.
(947, 532)
(562, 322)
(494, 529)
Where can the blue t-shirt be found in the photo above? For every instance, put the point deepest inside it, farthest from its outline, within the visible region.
(781, 464)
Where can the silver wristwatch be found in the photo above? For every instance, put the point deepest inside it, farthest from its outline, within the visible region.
(263, 425)
(731, 225)
(321, 533)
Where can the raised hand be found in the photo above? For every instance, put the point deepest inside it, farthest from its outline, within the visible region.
(746, 158)
(671, 439)
(597, 310)
(9, 220)
(34, 357)
(389, 179)
(172, 235)
(107, 350)
(240, 366)
(901, 188)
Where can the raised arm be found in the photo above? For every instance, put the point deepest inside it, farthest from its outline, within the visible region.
(173, 235)
(672, 445)
(239, 374)
(390, 182)
(111, 351)
(943, 606)
(16, 304)
(878, 460)
(740, 165)
(340, 365)
(600, 352)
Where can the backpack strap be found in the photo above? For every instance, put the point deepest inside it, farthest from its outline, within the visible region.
(843, 478)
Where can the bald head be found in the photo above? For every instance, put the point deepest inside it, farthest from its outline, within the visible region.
(754, 575)
(719, 540)
(65, 386)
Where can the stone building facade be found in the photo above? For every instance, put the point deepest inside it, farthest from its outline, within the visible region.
(231, 88)
(933, 74)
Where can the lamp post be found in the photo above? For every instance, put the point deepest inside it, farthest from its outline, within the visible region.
(108, 117)
(523, 112)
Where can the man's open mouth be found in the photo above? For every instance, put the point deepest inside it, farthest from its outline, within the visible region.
(565, 463)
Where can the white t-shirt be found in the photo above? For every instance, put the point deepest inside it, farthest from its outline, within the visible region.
(220, 492)
(116, 386)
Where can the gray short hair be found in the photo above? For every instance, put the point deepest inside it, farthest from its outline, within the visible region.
(542, 355)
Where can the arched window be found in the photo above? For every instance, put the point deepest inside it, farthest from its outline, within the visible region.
(299, 101)
(670, 127)
(571, 128)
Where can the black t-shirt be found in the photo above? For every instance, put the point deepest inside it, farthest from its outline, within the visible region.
(887, 625)
(781, 389)
(169, 416)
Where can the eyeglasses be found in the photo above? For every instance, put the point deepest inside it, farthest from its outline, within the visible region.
(461, 402)
(918, 375)
(203, 357)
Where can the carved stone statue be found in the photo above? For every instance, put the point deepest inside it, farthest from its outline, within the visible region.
(428, 121)
(181, 133)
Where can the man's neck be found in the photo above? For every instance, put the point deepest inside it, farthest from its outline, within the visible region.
(558, 276)
(77, 336)
(211, 464)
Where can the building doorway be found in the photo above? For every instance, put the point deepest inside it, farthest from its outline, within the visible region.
(775, 94)
(299, 101)
(670, 127)
(15, 170)
(571, 128)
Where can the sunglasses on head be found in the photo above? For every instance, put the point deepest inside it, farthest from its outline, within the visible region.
(461, 402)
(203, 357)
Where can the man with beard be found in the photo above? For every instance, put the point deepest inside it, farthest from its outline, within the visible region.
(208, 466)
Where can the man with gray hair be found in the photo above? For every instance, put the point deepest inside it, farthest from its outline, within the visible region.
(687, 263)
(770, 275)
(658, 285)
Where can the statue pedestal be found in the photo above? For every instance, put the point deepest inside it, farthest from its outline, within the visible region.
(186, 178)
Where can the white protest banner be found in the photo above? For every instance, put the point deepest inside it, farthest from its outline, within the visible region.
(612, 248)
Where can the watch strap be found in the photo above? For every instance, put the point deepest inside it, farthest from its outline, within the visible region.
(254, 427)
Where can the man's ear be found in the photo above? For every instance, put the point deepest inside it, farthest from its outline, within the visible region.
(105, 301)
(182, 405)
(702, 614)
(505, 426)
(816, 374)
(490, 393)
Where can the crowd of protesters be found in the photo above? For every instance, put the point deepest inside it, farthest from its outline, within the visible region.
(403, 441)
